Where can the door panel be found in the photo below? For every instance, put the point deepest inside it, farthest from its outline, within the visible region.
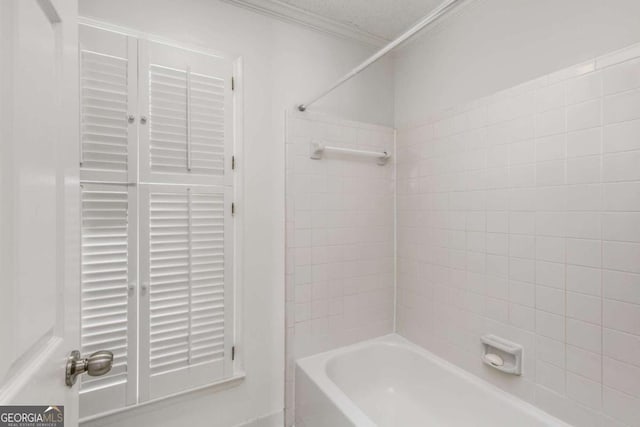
(186, 267)
(187, 98)
(38, 201)
(108, 155)
(108, 301)
(108, 105)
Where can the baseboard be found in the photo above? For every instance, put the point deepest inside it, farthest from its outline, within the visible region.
(273, 420)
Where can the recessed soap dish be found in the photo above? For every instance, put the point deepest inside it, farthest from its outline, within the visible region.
(502, 354)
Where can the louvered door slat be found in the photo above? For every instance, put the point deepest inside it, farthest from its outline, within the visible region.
(207, 125)
(169, 281)
(207, 256)
(168, 120)
(103, 115)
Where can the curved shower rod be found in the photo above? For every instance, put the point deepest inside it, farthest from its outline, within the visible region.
(435, 14)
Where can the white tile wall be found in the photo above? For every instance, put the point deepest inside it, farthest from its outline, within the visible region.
(519, 215)
(340, 238)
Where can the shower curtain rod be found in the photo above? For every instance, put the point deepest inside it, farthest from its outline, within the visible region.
(435, 14)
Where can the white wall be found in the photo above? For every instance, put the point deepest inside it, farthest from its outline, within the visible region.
(283, 65)
(496, 44)
(518, 215)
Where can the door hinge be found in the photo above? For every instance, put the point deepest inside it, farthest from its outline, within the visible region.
(233, 162)
(233, 353)
(233, 83)
(233, 209)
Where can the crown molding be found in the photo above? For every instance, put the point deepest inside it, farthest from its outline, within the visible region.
(296, 15)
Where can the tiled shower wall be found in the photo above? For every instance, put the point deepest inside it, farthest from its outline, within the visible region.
(519, 215)
(340, 238)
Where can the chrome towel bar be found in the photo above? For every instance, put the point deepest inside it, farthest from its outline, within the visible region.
(317, 150)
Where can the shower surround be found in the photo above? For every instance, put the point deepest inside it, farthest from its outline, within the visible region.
(519, 215)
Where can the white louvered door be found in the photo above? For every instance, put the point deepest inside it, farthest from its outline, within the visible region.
(186, 271)
(108, 301)
(156, 135)
(187, 99)
(108, 96)
(108, 145)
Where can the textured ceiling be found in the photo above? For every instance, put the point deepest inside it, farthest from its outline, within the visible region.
(383, 18)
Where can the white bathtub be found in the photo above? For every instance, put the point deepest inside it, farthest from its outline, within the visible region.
(390, 382)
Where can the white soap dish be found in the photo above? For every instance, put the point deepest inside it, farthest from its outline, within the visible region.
(502, 354)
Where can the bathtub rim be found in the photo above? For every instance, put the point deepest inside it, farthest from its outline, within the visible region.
(315, 367)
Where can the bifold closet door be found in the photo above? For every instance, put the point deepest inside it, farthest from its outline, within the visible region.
(187, 101)
(108, 105)
(108, 146)
(108, 299)
(186, 259)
